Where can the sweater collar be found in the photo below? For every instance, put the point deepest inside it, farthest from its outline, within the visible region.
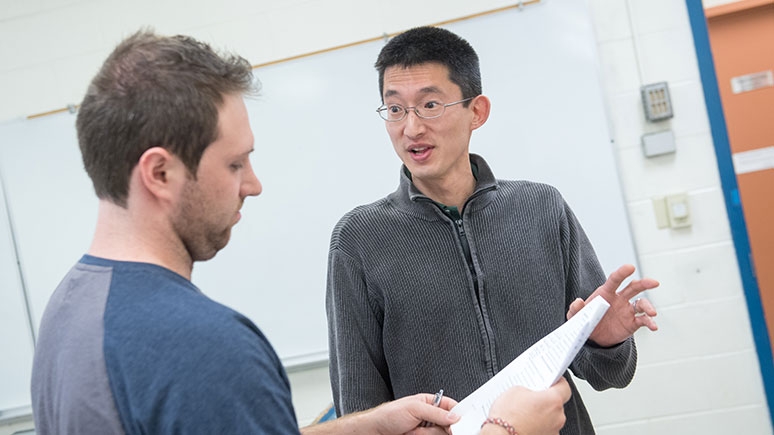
(409, 199)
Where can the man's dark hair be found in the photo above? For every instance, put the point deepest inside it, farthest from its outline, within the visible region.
(154, 91)
(432, 44)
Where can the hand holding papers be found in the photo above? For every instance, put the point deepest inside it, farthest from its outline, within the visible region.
(537, 368)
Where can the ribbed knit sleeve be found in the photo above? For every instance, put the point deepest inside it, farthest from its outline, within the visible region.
(358, 370)
(602, 368)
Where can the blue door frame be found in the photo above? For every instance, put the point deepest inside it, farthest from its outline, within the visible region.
(731, 194)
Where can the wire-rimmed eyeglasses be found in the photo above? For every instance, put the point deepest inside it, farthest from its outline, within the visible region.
(427, 110)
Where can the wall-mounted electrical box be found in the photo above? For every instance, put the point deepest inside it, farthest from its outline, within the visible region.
(656, 144)
(656, 101)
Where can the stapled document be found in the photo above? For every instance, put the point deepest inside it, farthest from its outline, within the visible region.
(537, 368)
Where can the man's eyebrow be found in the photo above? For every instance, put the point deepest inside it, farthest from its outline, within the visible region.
(246, 153)
(430, 90)
(425, 90)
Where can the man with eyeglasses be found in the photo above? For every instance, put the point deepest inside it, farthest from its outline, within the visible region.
(446, 280)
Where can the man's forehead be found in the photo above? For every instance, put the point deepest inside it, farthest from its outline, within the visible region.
(424, 79)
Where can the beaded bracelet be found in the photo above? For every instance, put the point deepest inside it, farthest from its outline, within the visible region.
(502, 423)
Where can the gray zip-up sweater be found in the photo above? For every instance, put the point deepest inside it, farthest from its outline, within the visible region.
(404, 313)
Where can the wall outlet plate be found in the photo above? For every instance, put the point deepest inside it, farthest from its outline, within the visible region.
(672, 211)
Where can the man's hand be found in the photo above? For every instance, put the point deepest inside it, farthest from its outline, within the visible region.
(404, 416)
(531, 412)
(627, 312)
(398, 417)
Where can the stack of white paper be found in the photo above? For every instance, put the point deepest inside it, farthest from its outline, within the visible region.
(537, 368)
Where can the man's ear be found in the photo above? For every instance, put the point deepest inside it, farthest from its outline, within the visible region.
(160, 173)
(481, 106)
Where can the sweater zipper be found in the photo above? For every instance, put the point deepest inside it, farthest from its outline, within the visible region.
(468, 255)
(492, 366)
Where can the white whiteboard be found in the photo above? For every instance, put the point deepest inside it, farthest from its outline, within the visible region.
(15, 334)
(548, 124)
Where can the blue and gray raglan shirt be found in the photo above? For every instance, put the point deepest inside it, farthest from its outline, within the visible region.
(135, 348)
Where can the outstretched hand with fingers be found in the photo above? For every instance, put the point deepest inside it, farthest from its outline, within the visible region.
(624, 317)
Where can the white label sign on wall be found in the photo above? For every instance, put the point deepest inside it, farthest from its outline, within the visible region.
(751, 82)
(754, 160)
